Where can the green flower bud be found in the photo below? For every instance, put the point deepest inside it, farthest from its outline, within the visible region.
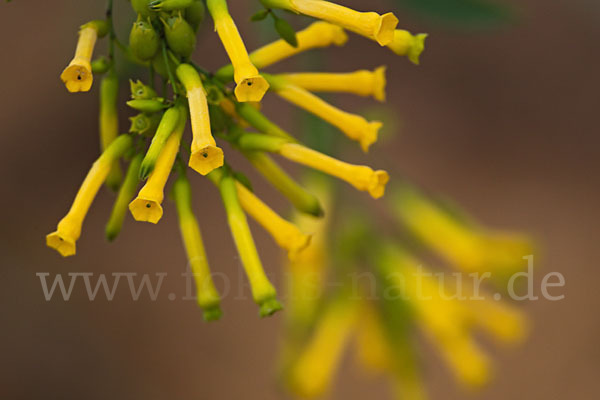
(169, 5)
(181, 38)
(144, 124)
(139, 91)
(143, 40)
(141, 7)
(100, 65)
(147, 106)
(194, 14)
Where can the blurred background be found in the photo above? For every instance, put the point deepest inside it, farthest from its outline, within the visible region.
(502, 116)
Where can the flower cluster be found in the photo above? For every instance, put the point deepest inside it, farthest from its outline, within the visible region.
(162, 40)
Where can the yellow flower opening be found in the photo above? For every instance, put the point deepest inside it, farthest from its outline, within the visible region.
(369, 24)
(69, 228)
(146, 207)
(407, 44)
(353, 126)
(77, 76)
(263, 292)
(361, 177)
(362, 83)
(206, 293)
(250, 86)
(286, 234)
(206, 155)
(313, 372)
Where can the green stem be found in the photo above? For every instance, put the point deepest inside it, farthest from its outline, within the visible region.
(168, 67)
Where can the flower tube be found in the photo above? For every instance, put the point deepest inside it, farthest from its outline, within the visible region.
(206, 156)
(69, 228)
(353, 126)
(78, 77)
(316, 35)
(263, 292)
(206, 293)
(369, 24)
(146, 206)
(362, 83)
(250, 86)
(287, 235)
(361, 177)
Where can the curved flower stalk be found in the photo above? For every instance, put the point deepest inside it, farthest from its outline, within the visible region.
(409, 45)
(316, 35)
(369, 24)
(77, 76)
(146, 206)
(362, 83)
(250, 85)
(353, 126)
(69, 228)
(361, 177)
(205, 154)
(207, 295)
(263, 292)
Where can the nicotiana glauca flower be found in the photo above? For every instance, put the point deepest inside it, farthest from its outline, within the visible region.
(369, 24)
(206, 293)
(318, 34)
(354, 126)
(362, 83)
(250, 85)
(167, 125)
(146, 206)
(206, 155)
(409, 45)
(263, 292)
(69, 228)
(109, 123)
(78, 74)
(361, 177)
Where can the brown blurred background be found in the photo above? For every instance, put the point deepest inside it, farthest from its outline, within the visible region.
(504, 120)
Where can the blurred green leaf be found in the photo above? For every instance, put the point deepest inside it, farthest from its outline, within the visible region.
(470, 12)
(285, 30)
(259, 16)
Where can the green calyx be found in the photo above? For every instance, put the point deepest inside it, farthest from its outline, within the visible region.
(101, 27)
(269, 307)
(143, 40)
(180, 36)
(139, 91)
(144, 124)
(142, 8)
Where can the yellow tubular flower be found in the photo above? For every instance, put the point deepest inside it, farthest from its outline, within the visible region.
(372, 347)
(466, 246)
(361, 177)
(207, 295)
(443, 321)
(250, 85)
(507, 323)
(286, 234)
(354, 126)
(109, 123)
(146, 206)
(206, 156)
(69, 228)
(369, 24)
(407, 44)
(362, 83)
(263, 292)
(313, 372)
(77, 76)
